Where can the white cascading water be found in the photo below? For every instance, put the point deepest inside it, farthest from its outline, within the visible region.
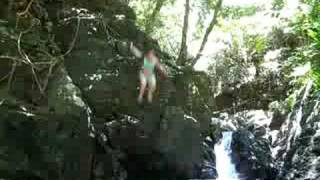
(296, 129)
(299, 114)
(225, 168)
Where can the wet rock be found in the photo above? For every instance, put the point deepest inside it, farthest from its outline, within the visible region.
(40, 143)
(63, 96)
(207, 168)
(259, 93)
(298, 140)
(255, 121)
(279, 115)
(157, 147)
(252, 156)
(316, 144)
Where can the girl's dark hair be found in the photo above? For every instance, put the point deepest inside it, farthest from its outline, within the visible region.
(149, 46)
(147, 50)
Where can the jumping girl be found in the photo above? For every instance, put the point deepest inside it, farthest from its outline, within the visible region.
(147, 73)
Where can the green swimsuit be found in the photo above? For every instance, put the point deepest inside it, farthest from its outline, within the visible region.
(147, 65)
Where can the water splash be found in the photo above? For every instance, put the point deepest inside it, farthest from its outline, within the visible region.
(225, 168)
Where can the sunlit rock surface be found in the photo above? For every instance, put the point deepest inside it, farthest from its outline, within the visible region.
(297, 143)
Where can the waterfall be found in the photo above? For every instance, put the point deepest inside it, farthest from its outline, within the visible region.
(225, 168)
(296, 129)
(297, 124)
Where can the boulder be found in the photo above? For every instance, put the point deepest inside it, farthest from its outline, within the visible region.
(252, 156)
(165, 149)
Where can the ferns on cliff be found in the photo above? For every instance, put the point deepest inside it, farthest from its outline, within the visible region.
(307, 26)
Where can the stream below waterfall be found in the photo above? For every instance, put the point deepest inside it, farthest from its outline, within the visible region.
(225, 168)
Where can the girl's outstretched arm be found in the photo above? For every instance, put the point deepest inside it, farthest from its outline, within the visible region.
(161, 69)
(135, 51)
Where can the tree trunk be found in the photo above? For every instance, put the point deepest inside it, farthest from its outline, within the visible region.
(152, 18)
(208, 31)
(183, 49)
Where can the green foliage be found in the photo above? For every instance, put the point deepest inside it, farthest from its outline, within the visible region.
(238, 12)
(278, 4)
(211, 4)
(144, 11)
(307, 28)
(257, 43)
(315, 74)
(291, 101)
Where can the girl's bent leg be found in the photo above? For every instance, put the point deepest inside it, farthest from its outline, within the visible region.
(143, 84)
(152, 87)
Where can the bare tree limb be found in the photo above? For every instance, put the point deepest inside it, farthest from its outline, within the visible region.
(26, 60)
(46, 81)
(13, 70)
(183, 49)
(151, 19)
(74, 38)
(13, 58)
(29, 62)
(208, 31)
(24, 13)
(36, 78)
(4, 77)
(22, 54)
(52, 64)
(26, 10)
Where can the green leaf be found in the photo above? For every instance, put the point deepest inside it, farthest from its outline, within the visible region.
(312, 34)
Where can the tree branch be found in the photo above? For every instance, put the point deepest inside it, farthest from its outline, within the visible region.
(151, 19)
(13, 70)
(74, 38)
(29, 62)
(183, 49)
(208, 31)
(26, 10)
(13, 58)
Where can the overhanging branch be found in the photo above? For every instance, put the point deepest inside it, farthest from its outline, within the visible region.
(208, 31)
(155, 12)
(183, 49)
